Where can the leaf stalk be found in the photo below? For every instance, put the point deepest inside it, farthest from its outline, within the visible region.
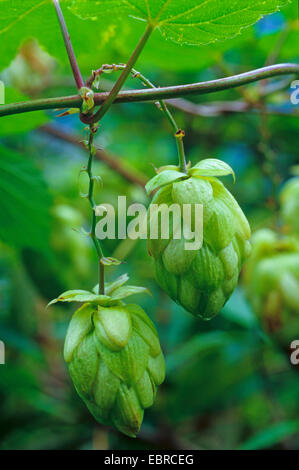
(68, 45)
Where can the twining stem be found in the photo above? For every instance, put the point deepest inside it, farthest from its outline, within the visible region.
(91, 149)
(124, 75)
(68, 45)
(137, 96)
(92, 131)
(161, 104)
(168, 115)
(178, 133)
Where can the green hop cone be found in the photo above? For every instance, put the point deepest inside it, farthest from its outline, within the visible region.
(114, 358)
(271, 278)
(200, 280)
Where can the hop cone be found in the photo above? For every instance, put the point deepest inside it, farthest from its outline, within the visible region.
(115, 362)
(114, 355)
(272, 283)
(200, 280)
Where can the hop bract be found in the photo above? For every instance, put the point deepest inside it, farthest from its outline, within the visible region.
(271, 279)
(200, 280)
(114, 358)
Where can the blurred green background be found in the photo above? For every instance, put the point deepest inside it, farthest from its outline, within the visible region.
(228, 384)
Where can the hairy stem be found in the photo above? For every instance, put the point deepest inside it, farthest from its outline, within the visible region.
(67, 41)
(155, 94)
(91, 149)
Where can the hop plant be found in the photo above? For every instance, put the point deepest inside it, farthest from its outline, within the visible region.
(114, 356)
(200, 280)
(271, 278)
(289, 200)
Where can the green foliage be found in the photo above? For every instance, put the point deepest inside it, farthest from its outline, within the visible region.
(227, 385)
(25, 202)
(112, 38)
(191, 22)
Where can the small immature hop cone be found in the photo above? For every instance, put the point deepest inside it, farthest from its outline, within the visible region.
(200, 280)
(271, 278)
(114, 358)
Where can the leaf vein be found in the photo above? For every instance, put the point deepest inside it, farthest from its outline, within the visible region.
(23, 15)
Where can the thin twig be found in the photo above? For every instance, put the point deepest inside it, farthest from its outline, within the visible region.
(136, 96)
(220, 108)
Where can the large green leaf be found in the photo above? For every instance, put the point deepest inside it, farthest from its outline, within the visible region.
(25, 202)
(106, 37)
(192, 21)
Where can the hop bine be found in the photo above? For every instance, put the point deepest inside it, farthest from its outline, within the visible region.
(114, 356)
(200, 280)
